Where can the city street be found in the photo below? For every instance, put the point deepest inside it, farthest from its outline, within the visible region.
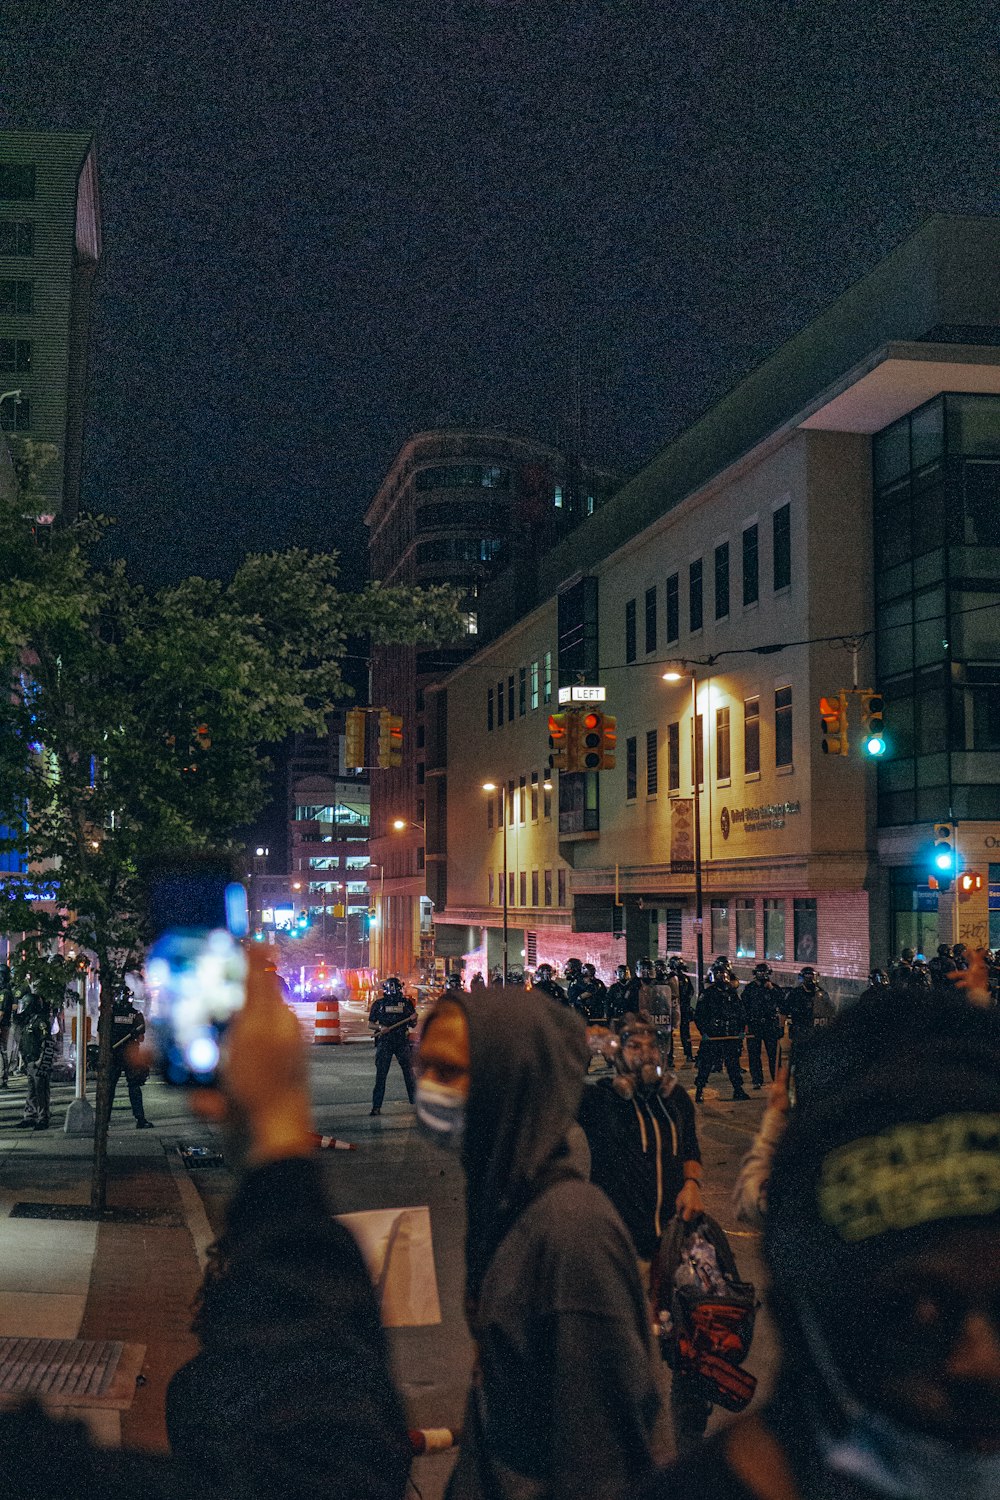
(145, 1273)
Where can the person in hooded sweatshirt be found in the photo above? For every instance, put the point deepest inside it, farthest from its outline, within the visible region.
(563, 1402)
(882, 1240)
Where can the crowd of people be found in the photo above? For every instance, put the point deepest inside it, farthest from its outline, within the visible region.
(880, 1204)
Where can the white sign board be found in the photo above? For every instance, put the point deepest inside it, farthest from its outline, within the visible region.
(582, 694)
(396, 1244)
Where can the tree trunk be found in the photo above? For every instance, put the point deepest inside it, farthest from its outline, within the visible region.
(102, 1105)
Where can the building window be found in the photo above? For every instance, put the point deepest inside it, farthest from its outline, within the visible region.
(534, 796)
(699, 746)
(751, 567)
(463, 476)
(722, 766)
(561, 877)
(783, 726)
(523, 886)
(511, 892)
(17, 237)
(15, 414)
(547, 698)
(804, 929)
(722, 581)
(510, 803)
(15, 356)
(673, 757)
(420, 858)
(631, 770)
(547, 887)
(720, 928)
(650, 620)
(774, 928)
(547, 798)
(421, 736)
(499, 806)
(673, 918)
(534, 887)
(522, 691)
(695, 610)
(17, 183)
(471, 619)
(651, 763)
(522, 799)
(16, 297)
(751, 736)
(782, 542)
(421, 771)
(490, 898)
(630, 646)
(510, 699)
(489, 812)
(673, 607)
(499, 705)
(489, 710)
(534, 684)
(557, 497)
(746, 928)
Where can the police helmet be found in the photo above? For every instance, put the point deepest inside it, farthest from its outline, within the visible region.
(572, 967)
(943, 951)
(644, 968)
(721, 963)
(879, 977)
(454, 982)
(762, 971)
(544, 972)
(588, 971)
(660, 965)
(907, 955)
(677, 964)
(621, 972)
(392, 986)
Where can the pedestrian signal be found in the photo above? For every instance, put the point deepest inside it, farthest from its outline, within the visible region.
(354, 739)
(833, 723)
(873, 722)
(969, 881)
(390, 739)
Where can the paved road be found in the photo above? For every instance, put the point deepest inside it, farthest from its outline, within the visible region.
(395, 1167)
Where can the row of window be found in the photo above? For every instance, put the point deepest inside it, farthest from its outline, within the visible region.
(781, 577)
(17, 182)
(463, 476)
(332, 862)
(328, 813)
(523, 802)
(723, 746)
(742, 913)
(17, 237)
(17, 296)
(519, 893)
(459, 549)
(529, 688)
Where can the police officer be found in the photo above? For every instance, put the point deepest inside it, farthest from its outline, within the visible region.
(901, 973)
(453, 984)
(34, 1021)
(571, 972)
(7, 1003)
(392, 1018)
(805, 1002)
(618, 994)
(685, 999)
(545, 982)
(765, 1027)
(128, 1025)
(719, 1018)
(643, 995)
(589, 995)
(878, 984)
(941, 966)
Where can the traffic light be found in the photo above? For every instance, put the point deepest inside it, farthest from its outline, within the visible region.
(944, 855)
(609, 742)
(833, 716)
(390, 739)
(969, 881)
(354, 739)
(590, 742)
(558, 742)
(202, 737)
(873, 722)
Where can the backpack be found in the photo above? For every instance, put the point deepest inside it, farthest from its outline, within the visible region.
(705, 1311)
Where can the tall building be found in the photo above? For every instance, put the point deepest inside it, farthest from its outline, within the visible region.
(456, 507)
(50, 246)
(837, 512)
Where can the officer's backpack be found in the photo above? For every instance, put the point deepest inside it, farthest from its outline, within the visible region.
(706, 1311)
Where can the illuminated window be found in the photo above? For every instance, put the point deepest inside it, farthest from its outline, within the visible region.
(557, 498)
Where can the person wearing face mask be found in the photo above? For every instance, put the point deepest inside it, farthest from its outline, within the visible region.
(882, 1241)
(546, 984)
(644, 1153)
(619, 994)
(563, 1402)
(805, 1004)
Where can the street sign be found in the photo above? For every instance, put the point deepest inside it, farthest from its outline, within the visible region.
(582, 693)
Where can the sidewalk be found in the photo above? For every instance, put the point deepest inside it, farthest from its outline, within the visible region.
(133, 1275)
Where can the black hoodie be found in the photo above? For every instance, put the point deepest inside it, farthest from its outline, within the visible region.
(563, 1402)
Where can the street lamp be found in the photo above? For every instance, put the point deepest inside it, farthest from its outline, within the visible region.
(490, 787)
(677, 672)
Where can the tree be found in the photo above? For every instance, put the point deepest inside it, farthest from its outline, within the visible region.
(134, 722)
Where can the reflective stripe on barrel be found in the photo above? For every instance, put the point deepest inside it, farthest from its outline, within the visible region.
(327, 1021)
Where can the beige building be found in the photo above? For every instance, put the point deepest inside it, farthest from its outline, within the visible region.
(785, 528)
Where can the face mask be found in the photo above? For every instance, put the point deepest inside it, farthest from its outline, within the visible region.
(891, 1460)
(441, 1113)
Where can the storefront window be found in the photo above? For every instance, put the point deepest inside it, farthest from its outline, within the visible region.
(746, 928)
(774, 928)
(806, 951)
(720, 927)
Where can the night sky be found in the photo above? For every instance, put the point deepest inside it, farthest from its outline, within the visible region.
(330, 225)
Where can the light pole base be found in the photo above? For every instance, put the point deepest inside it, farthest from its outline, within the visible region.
(80, 1118)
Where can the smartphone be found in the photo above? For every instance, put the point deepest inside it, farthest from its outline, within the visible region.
(196, 967)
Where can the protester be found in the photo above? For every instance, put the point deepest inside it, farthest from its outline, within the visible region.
(563, 1403)
(882, 1239)
(291, 1394)
(34, 1028)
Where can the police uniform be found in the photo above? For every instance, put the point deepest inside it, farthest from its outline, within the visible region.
(390, 1010)
(128, 1025)
(719, 1018)
(590, 998)
(37, 1050)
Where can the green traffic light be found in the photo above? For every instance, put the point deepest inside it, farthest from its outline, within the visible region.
(875, 745)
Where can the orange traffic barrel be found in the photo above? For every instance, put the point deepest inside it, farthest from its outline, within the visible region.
(327, 1021)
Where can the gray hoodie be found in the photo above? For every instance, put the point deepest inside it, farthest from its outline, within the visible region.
(563, 1400)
